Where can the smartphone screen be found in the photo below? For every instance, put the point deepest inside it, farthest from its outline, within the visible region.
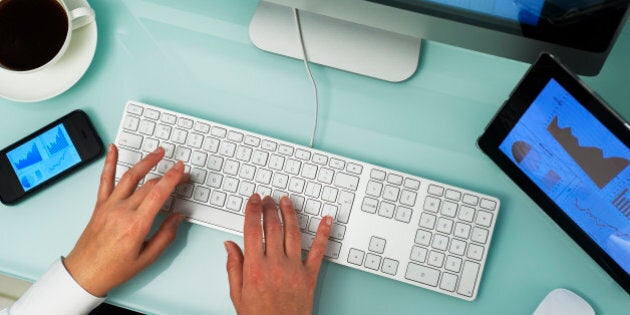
(43, 157)
(47, 155)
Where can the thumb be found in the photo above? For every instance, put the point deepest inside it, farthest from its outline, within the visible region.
(234, 267)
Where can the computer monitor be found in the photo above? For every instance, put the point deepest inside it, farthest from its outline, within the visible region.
(382, 38)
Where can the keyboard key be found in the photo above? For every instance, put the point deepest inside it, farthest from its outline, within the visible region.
(423, 237)
(449, 209)
(199, 126)
(408, 198)
(337, 164)
(390, 266)
(202, 194)
(466, 213)
(395, 179)
(337, 231)
(470, 199)
(418, 254)
(355, 256)
(346, 181)
(403, 214)
(235, 136)
(320, 159)
(285, 150)
(130, 140)
(253, 141)
(435, 190)
(374, 189)
(377, 245)
(372, 261)
(453, 194)
(185, 123)
(147, 127)
(131, 123)
(431, 204)
(475, 252)
(488, 204)
(468, 278)
(134, 109)
(151, 114)
(479, 235)
(412, 184)
(354, 168)
(422, 274)
(386, 209)
(269, 145)
(369, 205)
(377, 174)
(346, 199)
(448, 281)
(436, 259)
(218, 132)
(484, 218)
(129, 157)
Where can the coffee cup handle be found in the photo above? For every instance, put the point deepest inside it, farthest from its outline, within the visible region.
(81, 14)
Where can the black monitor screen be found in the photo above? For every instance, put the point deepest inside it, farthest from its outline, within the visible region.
(589, 25)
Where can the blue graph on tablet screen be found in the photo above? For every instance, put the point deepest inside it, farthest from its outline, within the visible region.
(579, 164)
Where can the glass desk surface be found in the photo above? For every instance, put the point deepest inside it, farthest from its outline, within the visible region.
(195, 56)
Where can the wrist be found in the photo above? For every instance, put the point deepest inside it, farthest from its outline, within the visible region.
(82, 277)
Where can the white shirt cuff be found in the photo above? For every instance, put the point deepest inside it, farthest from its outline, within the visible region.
(56, 292)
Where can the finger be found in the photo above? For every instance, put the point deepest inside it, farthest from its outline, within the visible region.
(164, 236)
(234, 267)
(252, 231)
(272, 228)
(129, 181)
(139, 195)
(292, 235)
(108, 176)
(159, 193)
(318, 249)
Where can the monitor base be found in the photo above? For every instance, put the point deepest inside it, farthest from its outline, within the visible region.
(335, 43)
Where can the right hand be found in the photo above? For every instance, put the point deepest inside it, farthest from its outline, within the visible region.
(271, 277)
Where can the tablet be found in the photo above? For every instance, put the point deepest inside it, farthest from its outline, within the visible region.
(570, 153)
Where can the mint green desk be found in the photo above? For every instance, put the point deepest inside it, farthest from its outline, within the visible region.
(195, 56)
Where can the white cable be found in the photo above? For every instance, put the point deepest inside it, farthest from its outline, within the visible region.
(308, 70)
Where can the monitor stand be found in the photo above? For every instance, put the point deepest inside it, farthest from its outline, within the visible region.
(336, 43)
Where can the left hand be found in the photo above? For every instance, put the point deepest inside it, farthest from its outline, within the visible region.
(114, 247)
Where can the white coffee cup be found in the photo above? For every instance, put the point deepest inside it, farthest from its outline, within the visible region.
(79, 14)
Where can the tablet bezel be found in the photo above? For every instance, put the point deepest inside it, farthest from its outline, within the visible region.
(536, 78)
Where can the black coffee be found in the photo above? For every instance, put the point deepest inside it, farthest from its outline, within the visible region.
(31, 32)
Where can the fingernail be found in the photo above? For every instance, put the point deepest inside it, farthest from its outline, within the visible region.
(227, 247)
(158, 150)
(178, 166)
(328, 220)
(110, 148)
(255, 199)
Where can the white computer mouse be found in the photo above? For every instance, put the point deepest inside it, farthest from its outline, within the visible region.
(563, 302)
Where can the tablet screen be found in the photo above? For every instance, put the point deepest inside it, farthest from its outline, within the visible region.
(579, 164)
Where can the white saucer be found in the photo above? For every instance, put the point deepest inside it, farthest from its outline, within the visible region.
(56, 79)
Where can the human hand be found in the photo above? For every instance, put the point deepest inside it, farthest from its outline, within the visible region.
(271, 278)
(114, 246)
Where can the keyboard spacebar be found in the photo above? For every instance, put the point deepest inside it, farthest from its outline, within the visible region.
(209, 215)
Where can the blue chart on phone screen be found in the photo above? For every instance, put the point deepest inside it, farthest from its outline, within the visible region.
(579, 164)
(43, 157)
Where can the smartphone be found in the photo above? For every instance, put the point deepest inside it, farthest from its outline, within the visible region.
(47, 155)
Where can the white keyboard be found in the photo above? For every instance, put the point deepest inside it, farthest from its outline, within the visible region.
(395, 225)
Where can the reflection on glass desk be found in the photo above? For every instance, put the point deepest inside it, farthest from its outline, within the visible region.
(195, 57)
